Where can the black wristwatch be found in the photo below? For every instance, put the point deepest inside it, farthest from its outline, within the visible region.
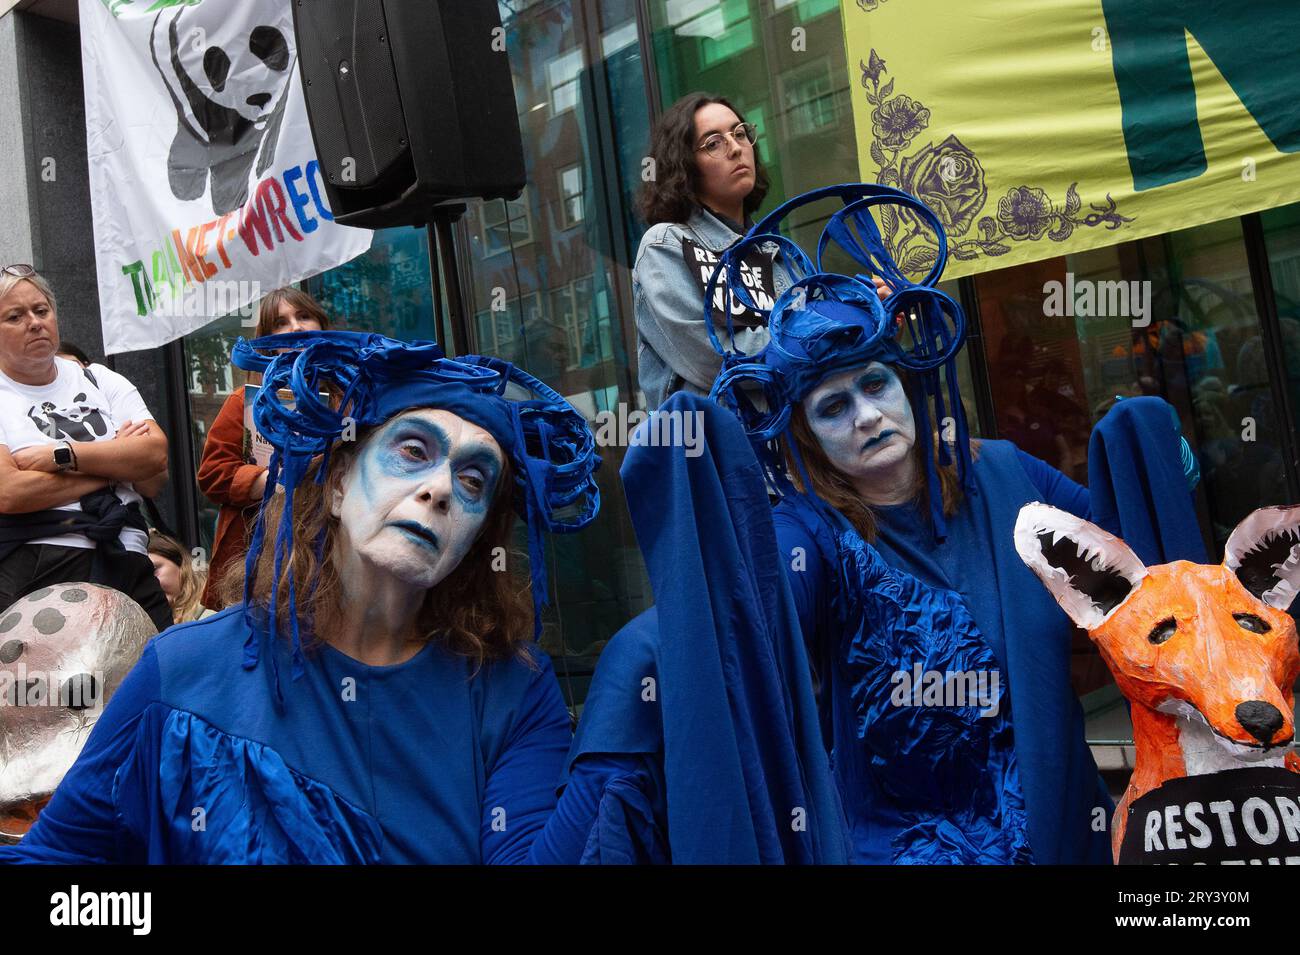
(64, 459)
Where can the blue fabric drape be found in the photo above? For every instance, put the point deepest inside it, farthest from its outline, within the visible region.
(728, 702)
(1137, 483)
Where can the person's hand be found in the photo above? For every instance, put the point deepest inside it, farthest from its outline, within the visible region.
(259, 486)
(133, 428)
(39, 457)
(884, 290)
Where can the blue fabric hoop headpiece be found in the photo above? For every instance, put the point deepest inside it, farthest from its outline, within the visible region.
(826, 323)
(548, 441)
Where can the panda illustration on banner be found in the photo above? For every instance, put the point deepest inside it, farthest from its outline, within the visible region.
(229, 78)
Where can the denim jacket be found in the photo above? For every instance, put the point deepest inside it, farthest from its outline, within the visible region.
(673, 348)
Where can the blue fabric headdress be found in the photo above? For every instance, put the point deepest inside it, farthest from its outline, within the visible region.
(547, 440)
(826, 323)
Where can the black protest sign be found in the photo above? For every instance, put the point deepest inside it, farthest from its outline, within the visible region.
(755, 272)
(1237, 817)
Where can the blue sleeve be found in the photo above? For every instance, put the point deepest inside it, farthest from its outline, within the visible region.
(519, 796)
(564, 840)
(805, 570)
(81, 823)
(1055, 488)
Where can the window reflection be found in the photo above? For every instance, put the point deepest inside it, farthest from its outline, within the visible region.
(1281, 229)
(211, 380)
(1199, 346)
(548, 287)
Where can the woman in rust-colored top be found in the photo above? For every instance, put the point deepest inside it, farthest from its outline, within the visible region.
(224, 476)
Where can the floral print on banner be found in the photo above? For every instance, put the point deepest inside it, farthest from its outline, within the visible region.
(949, 179)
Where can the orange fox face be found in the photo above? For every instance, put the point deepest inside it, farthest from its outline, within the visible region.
(1193, 640)
(1206, 654)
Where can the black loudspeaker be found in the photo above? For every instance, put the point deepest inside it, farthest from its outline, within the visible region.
(411, 103)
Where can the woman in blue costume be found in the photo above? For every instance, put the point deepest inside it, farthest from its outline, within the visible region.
(943, 676)
(377, 696)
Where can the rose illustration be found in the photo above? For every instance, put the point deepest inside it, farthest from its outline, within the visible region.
(896, 122)
(949, 179)
(1025, 212)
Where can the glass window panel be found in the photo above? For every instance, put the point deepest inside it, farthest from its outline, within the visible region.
(728, 32)
(1172, 316)
(1282, 241)
(568, 315)
(562, 74)
(505, 223)
(212, 378)
(571, 207)
(808, 9)
(808, 99)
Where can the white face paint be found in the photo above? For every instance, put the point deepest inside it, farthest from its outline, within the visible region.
(863, 421)
(417, 495)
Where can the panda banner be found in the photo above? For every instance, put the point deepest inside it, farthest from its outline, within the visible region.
(205, 189)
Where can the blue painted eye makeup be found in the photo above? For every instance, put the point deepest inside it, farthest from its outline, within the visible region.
(873, 383)
(831, 406)
(414, 449)
(477, 475)
(416, 443)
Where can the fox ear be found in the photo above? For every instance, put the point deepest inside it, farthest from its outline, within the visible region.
(1089, 572)
(1264, 552)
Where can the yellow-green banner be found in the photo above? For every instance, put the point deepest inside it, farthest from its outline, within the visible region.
(1040, 127)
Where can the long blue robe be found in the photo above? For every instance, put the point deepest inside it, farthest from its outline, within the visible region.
(1068, 805)
(913, 702)
(1137, 492)
(701, 711)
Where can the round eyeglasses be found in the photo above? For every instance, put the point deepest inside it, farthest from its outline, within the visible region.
(19, 271)
(746, 134)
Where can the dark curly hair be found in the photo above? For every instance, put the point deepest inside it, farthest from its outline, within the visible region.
(670, 196)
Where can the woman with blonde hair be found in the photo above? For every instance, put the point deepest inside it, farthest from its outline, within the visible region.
(177, 576)
(79, 449)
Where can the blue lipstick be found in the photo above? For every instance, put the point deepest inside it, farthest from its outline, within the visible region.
(883, 436)
(417, 532)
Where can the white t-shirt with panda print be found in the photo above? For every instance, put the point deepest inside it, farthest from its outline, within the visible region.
(76, 406)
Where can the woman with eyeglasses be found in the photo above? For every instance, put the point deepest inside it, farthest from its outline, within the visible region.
(707, 180)
(78, 447)
(705, 183)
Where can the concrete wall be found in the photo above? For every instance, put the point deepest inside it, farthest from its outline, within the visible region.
(15, 235)
(45, 215)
